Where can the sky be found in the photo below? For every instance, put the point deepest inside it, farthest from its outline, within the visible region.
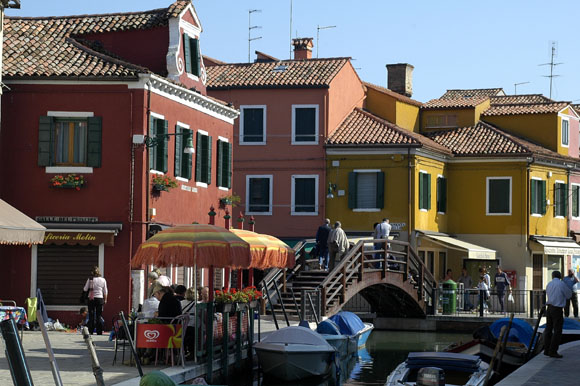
(453, 44)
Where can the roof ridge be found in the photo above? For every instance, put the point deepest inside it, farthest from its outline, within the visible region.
(531, 103)
(473, 89)
(85, 16)
(286, 61)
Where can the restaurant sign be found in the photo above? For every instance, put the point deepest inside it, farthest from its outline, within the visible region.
(80, 238)
(159, 335)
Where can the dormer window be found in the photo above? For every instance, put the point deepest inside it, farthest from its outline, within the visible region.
(191, 55)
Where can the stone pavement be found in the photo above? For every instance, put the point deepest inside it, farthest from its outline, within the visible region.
(543, 370)
(74, 362)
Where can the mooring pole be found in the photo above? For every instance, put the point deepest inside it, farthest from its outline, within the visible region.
(15, 354)
(97, 370)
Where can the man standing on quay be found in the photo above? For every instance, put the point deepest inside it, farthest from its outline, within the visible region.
(337, 244)
(570, 280)
(322, 244)
(557, 292)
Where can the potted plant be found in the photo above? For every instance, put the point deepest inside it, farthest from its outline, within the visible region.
(254, 295)
(224, 301)
(163, 183)
(70, 181)
(232, 200)
(241, 299)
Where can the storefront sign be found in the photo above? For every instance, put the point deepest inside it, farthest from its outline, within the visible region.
(397, 226)
(159, 335)
(561, 251)
(63, 219)
(81, 238)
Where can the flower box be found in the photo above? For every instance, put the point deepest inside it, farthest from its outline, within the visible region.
(163, 183)
(225, 308)
(254, 304)
(241, 307)
(70, 181)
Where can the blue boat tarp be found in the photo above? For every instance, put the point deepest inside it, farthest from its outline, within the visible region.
(348, 323)
(521, 331)
(328, 327)
(569, 324)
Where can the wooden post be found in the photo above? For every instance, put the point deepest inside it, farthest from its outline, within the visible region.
(343, 280)
(225, 342)
(241, 221)
(362, 266)
(284, 280)
(384, 272)
(239, 337)
(252, 223)
(408, 258)
(209, 340)
(227, 270)
(97, 370)
(322, 302)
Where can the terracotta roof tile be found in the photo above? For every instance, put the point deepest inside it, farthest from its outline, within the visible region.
(519, 99)
(286, 73)
(46, 46)
(516, 109)
(577, 108)
(473, 93)
(454, 103)
(395, 95)
(361, 128)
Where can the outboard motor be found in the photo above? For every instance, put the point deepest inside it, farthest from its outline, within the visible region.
(430, 376)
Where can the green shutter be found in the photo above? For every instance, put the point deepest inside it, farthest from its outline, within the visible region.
(533, 200)
(186, 166)
(229, 165)
(195, 57)
(162, 146)
(94, 141)
(565, 200)
(45, 141)
(543, 197)
(220, 163)
(187, 53)
(428, 186)
(152, 149)
(209, 143)
(574, 200)
(178, 152)
(352, 190)
(380, 190)
(421, 189)
(198, 151)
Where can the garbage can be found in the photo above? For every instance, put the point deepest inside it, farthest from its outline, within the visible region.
(449, 297)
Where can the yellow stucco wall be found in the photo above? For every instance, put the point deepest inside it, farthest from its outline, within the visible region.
(430, 219)
(548, 224)
(543, 129)
(381, 105)
(407, 116)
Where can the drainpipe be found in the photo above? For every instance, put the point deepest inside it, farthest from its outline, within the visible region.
(147, 183)
(410, 198)
(569, 207)
(528, 207)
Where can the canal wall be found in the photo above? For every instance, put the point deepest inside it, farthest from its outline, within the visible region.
(437, 323)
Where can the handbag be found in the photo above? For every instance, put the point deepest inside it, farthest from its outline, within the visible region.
(85, 294)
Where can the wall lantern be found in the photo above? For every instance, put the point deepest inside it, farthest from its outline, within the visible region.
(139, 139)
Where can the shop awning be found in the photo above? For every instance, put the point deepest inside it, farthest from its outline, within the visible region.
(16, 228)
(552, 247)
(473, 251)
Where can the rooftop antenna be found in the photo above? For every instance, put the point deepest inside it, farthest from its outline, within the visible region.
(290, 29)
(250, 28)
(516, 86)
(552, 65)
(318, 28)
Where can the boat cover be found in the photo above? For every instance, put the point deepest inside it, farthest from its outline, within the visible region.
(296, 335)
(328, 327)
(520, 332)
(348, 323)
(569, 324)
(444, 360)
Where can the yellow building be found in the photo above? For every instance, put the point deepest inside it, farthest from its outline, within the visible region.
(393, 107)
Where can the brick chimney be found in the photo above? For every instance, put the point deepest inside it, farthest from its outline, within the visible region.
(302, 48)
(400, 78)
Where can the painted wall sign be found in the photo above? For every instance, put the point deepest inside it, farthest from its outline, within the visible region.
(397, 226)
(81, 238)
(64, 219)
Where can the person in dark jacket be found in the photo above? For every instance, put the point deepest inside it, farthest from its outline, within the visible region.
(169, 305)
(322, 244)
(502, 283)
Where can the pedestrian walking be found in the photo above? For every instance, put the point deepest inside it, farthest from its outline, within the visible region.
(570, 281)
(502, 283)
(557, 293)
(382, 232)
(467, 284)
(483, 292)
(97, 287)
(322, 244)
(486, 277)
(337, 244)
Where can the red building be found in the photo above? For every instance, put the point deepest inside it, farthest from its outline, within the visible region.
(108, 102)
(287, 110)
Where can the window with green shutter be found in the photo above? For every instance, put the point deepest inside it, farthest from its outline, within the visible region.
(252, 124)
(259, 194)
(203, 158)
(560, 199)
(424, 191)
(304, 124)
(538, 197)
(499, 191)
(366, 189)
(575, 198)
(224, 166)
(182, 159)
(304, 194)
(69, 141)
(158, 153)
(441, 194)
(191, 55)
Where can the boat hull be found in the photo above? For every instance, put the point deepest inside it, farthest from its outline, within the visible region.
(294, 365)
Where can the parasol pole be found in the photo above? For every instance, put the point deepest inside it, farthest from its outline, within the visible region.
(251, 271)
(241, 271)
(227, 270)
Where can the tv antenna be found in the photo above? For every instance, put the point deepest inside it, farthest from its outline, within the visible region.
(552, 65)
(250, 28)
(290, 29)
(318, 28)
(516, 86)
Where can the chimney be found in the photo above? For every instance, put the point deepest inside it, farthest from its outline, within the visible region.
(302, 48)
(400, 78)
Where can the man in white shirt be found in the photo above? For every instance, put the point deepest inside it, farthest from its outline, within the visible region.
(557, 292)
(382, 231)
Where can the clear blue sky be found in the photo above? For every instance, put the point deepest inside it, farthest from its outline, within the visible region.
(451, 43)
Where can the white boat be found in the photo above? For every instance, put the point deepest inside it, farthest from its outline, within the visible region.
(294, 353)
(456, 369)
(570, 330)
(346, 332)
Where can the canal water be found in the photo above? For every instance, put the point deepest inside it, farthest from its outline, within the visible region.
(384, 351)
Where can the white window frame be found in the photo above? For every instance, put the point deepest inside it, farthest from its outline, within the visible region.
(69, 169)
(537, 179)
(293, 204)
(248, 178)
(567, 132)
(316, 124)
(563, 183)
(366, 209)
(572, 196)
(199, 183)
(185, 126)
(156, 116)
(223, 139)
(487, 213)
(241, 120)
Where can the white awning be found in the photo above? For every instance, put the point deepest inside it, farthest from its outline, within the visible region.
(473, 251)
(17, 228)
(560, 247)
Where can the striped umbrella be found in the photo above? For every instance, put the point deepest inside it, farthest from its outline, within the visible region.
(190, 245)
(267, 251)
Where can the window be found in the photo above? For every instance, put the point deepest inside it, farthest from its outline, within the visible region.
(182, 160)
(538, 196)
(304, 124)
(224, 166)
(305, 195)
(203, 159)
(191, 55)
(499, 196)
(158, 153)
(366, 190)
(565, 132)
(259, 194)
(560, 199)
(575, 200)
(424, 190)
(69, 141)
(253, 125)
(441, 121)
(554, 263)
(441, 194)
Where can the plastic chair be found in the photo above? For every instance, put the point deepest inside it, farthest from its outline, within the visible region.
(120, 337)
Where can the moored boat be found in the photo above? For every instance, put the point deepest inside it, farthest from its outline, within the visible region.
(570, 330)
(351, 325)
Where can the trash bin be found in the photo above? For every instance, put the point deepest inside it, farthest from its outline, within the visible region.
(449, 297)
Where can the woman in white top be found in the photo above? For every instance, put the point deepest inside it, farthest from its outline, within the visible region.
(97, 287)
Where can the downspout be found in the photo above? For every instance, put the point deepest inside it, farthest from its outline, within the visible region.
(147, 183)
(568, 206)
(410, 198)
(131, 193)
(325, 156)
(528, 204)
